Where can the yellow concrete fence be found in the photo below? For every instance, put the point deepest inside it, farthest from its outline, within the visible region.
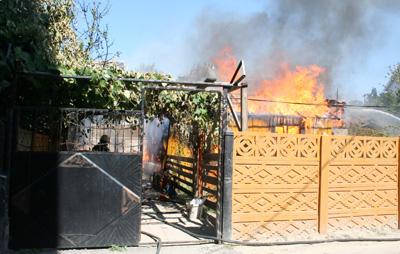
(291, 184)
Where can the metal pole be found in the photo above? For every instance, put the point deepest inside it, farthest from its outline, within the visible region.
(227, 197)
(243, 108)
(11, 129)
(223, 127)
(141, 132)
(238, 124)
(134, 80)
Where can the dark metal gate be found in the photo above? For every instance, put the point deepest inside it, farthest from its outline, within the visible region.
(67, 190)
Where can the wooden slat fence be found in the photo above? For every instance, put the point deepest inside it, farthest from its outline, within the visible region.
(210, 179)
(184, 171)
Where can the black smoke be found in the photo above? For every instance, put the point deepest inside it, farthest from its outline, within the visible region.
(297, 32)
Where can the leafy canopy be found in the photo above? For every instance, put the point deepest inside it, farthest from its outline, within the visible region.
(390, 96)
(42, 35)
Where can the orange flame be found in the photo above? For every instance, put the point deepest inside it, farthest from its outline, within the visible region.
(225, 63)
(300, 86)
(146, 155)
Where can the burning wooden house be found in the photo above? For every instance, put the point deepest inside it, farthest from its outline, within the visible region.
(292, 100)
(330, 123)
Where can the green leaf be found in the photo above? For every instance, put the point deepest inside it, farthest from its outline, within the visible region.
(4, 84)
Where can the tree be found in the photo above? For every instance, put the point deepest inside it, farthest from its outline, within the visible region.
(94, 35)
(390, 96)
(43, 35)
(395, 74)
(38, 33)
(372, 98)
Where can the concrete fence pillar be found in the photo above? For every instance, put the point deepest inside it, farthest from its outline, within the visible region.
(398, 183)
(323, 185)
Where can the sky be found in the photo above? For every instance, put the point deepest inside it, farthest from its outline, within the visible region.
(155, 32)
(161, 33)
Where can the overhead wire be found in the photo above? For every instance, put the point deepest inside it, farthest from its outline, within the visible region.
(309, 103)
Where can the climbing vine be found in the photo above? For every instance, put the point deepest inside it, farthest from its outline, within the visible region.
(41, 36)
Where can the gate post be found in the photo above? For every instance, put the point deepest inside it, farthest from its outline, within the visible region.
(227, 186)
(323, 185)
(3, 214)
(5, 171)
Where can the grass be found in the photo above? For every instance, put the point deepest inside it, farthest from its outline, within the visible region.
(182, 195)
(117, 248)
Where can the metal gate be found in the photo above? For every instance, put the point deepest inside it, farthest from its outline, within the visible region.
(75, 178)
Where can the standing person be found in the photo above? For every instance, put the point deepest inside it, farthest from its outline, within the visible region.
(102, 146)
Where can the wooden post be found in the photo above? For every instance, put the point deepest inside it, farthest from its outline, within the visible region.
(323, 185)
(243, 108)
(200, 150)
(195, 171)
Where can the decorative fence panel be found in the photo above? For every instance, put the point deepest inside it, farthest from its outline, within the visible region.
(275, 185)
(362, 182)
(292, 186)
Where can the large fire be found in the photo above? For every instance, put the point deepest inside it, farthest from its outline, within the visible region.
(295, 91)
(298, 90)
(225, 63)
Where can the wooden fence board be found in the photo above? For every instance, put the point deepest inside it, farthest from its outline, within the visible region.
(183, 170)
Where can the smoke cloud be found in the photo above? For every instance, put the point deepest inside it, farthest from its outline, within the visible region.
(297, 32)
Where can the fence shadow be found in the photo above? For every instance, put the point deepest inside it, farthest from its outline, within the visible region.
(174, 215)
